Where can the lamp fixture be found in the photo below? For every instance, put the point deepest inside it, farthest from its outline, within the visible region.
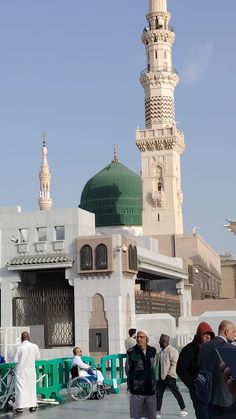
(14, 240)
(123, 247)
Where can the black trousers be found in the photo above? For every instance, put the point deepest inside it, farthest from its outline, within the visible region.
(169, 382)
(222, 412)
(201, 409)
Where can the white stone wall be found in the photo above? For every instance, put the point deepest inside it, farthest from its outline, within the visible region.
(113, 288)
(155, 325)
(76, 222)
(116, 287)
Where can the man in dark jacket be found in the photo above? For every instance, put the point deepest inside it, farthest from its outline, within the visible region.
(188, 362)
(222, 402)
(141, 375)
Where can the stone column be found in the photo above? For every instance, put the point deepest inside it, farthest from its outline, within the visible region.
(82, 307)
(9, 281)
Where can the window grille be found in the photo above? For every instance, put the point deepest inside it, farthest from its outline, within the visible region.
(101, 256)
(86, 258)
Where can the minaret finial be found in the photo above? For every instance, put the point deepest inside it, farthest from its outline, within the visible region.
(115, 159)
(45, 202)
(44, 138)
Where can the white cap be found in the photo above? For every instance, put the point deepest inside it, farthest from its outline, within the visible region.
(144, 332)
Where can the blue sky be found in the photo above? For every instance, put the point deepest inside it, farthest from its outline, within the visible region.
(71, 69)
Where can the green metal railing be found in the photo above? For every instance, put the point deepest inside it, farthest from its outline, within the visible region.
(113, 368)
(53, 375)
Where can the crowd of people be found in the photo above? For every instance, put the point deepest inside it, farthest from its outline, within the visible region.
(149, 372)
(25, 374)
(211, 387)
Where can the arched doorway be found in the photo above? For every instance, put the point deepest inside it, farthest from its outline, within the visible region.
(98, 328)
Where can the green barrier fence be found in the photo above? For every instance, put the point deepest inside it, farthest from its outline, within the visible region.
(53, 375)
(113, 368)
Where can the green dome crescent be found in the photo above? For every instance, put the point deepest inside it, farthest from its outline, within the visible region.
(115, 196)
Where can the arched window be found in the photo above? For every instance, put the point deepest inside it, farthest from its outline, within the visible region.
(159, 186)
(86, 258)
(101, 257)
(135, 259)
(130, 254)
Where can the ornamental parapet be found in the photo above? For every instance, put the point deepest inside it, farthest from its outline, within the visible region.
(158, 35)
(159, 76)
(159, 69)
(160, 139)
(165, 15)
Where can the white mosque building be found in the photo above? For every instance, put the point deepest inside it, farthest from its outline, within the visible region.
(85, 275)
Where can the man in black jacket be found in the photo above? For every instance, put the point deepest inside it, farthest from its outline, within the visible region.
(222, 402)
(141, 375)
(188, 362)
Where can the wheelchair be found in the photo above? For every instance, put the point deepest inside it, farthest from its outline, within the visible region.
(83, 388)
(7, 390)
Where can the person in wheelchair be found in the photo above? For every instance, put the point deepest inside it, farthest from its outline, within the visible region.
(84, 370)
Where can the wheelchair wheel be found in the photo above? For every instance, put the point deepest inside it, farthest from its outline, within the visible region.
(101, 391)
(79, 388)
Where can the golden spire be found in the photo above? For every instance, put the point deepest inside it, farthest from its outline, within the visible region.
(115, 159)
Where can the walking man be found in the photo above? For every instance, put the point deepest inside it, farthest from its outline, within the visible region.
(141, 376)
(25, 386)
(168, 358)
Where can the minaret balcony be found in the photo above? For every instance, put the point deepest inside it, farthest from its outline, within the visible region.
(157, 35)
(159, 27)
(159, 70)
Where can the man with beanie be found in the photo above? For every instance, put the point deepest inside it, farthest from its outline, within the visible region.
(188, 362)
(141, 375)
(167, 375)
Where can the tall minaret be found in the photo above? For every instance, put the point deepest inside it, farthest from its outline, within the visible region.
(160, 143)
(45, 202)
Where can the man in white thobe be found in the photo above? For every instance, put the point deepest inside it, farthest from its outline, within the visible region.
(85, 370)
(25, 387)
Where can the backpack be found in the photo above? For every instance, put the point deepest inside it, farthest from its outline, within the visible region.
(203, 381)
(203, 386)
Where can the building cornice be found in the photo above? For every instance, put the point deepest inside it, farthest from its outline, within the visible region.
(157, 144)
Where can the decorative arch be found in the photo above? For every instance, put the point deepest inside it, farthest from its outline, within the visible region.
(133, 259)
(130, 255)
(98, 327)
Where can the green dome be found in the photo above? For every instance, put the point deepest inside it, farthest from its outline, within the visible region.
(115, 196)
